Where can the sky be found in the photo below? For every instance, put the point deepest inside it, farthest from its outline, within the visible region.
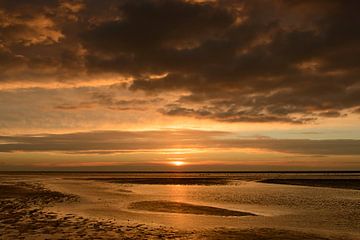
(179, 85)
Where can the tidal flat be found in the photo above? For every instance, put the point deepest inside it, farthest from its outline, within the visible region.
(179, 206)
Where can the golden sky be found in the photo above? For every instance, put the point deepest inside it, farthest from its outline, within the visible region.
(161, 85)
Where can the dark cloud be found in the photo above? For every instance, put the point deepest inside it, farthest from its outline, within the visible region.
(258, 68)
(237, 61)
(127, 141)
(149, 25)
(230, 113)
(38, 46)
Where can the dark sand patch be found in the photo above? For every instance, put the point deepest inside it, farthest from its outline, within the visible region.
(177, 207)
(11, 191)
(264, 234)
(166, 181)
(331, 183)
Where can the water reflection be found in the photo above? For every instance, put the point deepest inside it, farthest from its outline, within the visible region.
(178, 193)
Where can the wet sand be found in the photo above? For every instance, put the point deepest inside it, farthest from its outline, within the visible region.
(330, 183)
(52, 207)
(166, 181)
(23, 216)
(185, 208)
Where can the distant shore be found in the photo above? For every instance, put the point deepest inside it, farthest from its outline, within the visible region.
(155, 172)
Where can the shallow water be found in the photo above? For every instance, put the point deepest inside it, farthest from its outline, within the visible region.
(281, 205)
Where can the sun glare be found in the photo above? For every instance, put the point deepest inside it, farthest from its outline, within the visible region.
(177, 163)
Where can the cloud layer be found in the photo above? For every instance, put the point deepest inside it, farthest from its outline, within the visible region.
(163, 140)
(230, 61)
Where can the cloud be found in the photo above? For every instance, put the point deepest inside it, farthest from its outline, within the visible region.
(137, 141)
(141, 27)
(106, 140)
(108, 99)
(255, 68)
(231, 113)
(36, 43)
(27, 24)
(230, 61)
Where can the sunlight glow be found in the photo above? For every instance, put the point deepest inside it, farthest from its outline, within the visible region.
(181, 151)
(177, 163)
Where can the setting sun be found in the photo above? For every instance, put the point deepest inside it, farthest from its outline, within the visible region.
(177, 163)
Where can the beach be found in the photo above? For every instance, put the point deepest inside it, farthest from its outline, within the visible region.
(178, 206)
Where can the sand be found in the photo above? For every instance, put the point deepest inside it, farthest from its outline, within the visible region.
(22, 216)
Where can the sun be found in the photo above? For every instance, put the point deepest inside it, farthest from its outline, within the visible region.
(177, 163)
